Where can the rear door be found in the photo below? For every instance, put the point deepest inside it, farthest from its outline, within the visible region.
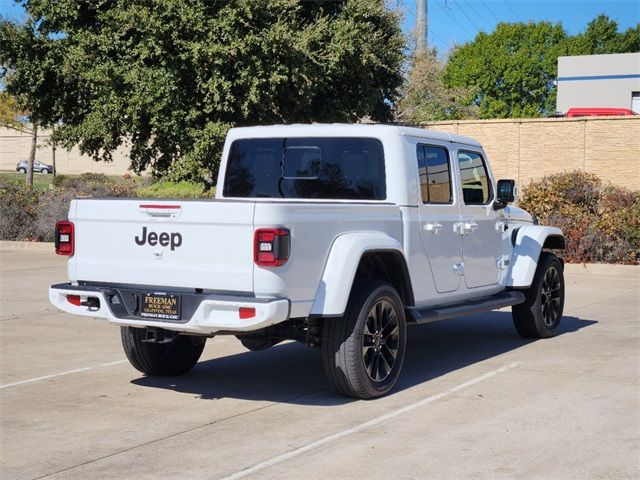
(194, 244)
(439, 213)
(482, 239)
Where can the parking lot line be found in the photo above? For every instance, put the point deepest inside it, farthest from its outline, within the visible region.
(68, 372)
(368, 424)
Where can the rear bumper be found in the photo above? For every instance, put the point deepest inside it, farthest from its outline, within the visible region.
(211, 312)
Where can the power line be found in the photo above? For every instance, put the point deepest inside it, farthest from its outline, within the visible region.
(450, 16)
(490, 11)
(470, 5)
(514, 12)
(468, 17)
(432, 32)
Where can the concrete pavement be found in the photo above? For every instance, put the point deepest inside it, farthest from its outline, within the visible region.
(474, 400)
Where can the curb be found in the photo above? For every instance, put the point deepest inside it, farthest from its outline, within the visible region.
(29, 246)
(601, 268)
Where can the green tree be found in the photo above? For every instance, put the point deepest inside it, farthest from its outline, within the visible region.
(425, 96)
(169, 77)
(511, 69)
(13, 117)
(601, 37)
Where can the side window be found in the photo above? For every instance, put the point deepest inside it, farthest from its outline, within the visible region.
(476, 187)
(435, 174)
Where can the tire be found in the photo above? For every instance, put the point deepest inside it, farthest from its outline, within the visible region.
(357, 359)
(45, 171)
(161, 359)
(540, 315)
(22, 170)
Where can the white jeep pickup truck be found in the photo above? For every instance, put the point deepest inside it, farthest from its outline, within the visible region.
(337, 236)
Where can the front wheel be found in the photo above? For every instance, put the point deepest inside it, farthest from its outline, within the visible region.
(22, 170)
(45, 171)
(363, 351)
(540, 314)
(166, 359)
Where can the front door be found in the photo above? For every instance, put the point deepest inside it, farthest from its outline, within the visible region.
(479, 226)
(439, 213)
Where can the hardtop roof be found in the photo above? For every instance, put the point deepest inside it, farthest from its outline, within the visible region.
(339, 129)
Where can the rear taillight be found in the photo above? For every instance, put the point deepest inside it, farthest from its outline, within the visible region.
(271, 247)
(64, 238)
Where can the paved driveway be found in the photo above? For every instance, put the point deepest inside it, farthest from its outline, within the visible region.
(474, 400)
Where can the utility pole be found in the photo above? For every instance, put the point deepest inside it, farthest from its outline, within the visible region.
(422, 20)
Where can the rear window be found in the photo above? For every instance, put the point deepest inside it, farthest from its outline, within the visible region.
(325, 168)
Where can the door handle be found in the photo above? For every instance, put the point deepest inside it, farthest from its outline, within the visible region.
(434, 227)
(470, 227)
(464, 228)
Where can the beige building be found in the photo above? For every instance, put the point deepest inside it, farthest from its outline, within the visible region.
(588, 81)
(15, 146)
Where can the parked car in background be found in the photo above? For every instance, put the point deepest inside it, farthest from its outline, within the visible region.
(598, 112)
(37, 167)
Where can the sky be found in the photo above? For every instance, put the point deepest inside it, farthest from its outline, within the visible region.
(458, 21)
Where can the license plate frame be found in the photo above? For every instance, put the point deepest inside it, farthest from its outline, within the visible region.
(161, 305)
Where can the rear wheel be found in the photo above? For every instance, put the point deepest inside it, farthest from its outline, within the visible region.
(22, 170)
(170, 358)
(540, 315)
(363, 351)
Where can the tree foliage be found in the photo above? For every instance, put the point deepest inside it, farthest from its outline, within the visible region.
(10, 112)
(425, 96)
(169, 77)
(513, 68)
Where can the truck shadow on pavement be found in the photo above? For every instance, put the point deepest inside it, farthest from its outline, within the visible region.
(292, 373)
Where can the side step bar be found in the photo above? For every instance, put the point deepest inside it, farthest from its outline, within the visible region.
(462, 309)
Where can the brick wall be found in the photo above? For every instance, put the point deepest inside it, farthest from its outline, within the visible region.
(530, 148)
(520, 149)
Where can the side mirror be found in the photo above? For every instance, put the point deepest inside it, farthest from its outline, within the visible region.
(506, 194)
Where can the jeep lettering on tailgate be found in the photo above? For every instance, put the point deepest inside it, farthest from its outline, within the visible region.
(164, 239)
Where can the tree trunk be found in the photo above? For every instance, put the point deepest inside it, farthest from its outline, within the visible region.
(32, 154)
(53, 154)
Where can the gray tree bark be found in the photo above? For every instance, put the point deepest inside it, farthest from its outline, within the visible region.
(32, 154)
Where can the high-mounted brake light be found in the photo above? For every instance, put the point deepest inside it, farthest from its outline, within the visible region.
(64, 238)
(271, 247)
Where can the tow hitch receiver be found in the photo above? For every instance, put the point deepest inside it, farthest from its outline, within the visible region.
(159, 335)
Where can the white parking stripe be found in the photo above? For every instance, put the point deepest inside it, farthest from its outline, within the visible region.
(68, 372)
(363, 426)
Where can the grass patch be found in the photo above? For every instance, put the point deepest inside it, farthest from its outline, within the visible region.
(40, 181)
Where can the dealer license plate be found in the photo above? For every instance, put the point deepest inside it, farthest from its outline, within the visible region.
(160, 305)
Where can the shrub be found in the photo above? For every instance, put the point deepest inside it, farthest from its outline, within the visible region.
(19, 206)
(600, 222)
(174, 190)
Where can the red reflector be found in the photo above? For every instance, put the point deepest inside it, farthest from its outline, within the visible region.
(74, 299)
(246, 312)
(64, 238)
(271, 247)
(162, 207)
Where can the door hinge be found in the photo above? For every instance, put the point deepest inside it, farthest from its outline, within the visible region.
(503, 262)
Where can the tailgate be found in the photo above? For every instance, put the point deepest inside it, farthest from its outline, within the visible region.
(194, 244)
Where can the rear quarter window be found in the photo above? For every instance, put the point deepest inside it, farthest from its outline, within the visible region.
(310, 167)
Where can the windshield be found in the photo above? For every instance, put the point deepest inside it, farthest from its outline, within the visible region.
(319, 167)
